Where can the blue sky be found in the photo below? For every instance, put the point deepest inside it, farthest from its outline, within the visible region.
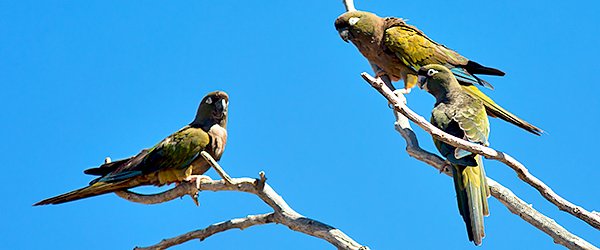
(86, 80)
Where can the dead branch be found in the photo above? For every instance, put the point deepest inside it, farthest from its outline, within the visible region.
(564, 205)
(349, 5)
(216, 166)
(517, 206)
(240, 223)
(282, 214)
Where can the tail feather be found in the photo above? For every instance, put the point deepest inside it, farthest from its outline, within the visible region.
(462, 75)
(495, 110)
(105, 168)
(476, 68)
(89, 191)
(471, 194)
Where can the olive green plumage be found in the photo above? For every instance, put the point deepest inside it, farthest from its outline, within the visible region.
(463, 116)
(173, 159)
(398, 50)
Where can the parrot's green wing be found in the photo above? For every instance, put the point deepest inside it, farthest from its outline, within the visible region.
(415, 49)
(169, 157)
(164, 163)
(472, 119)
(495, 110)
(466, 118)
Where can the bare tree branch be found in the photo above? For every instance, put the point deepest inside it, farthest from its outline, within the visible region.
(519, 207)
(180, 190)
(503, 194)
(240, 223)
(563, 204)
(349, 4)
(283, 213)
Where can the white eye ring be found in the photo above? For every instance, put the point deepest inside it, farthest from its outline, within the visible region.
(353, 20)
(431, 72)
(208, 100)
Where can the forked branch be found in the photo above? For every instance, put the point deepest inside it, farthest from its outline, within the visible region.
(282, 214)
(503, 194)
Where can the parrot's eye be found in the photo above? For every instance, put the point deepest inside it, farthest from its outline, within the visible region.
(353, 20)
(431, 72)
(209, 100)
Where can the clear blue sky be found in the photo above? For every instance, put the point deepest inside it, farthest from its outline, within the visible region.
(86, 80)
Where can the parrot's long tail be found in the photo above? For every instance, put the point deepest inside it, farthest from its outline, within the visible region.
(494, 110)
(471, 194)
(97, 188)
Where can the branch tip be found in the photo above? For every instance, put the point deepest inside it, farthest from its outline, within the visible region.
(349, 5)
(260, 183)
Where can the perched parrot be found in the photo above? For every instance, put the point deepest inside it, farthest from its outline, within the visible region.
(174, 159)
(398, 50)
(463, 116)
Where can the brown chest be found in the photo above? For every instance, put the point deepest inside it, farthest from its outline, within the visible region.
(386, 60)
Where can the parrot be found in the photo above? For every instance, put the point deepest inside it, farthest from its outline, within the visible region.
(464, 116)
(173, 160)
(398, 50)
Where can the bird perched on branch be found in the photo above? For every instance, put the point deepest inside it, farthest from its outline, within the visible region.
(174, 159)
(398, 50)
(463, 116)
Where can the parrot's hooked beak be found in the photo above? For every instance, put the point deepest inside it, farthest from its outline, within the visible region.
(345, 34)
(422, 81)
(221, 108)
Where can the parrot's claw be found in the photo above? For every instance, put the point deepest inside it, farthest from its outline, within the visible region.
(197, 179)
(445, 169)
(400, 94)
(195, 199)
(403, 91)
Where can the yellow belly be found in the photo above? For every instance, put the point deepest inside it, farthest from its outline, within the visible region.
(173, 175)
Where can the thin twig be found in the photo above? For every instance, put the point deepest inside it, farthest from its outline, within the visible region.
(522, 172)
(260, 183)
(283, 213)
(239, 223)
(216, 166)
(517, 206)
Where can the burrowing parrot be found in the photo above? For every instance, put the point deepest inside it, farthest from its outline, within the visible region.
(398, 50)
(463, 116)
(174, 159)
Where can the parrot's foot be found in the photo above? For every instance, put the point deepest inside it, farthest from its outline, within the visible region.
(197, 179)
(445, 169)
(380, 73)
(403, 91)
(400, 94)
(387, 80)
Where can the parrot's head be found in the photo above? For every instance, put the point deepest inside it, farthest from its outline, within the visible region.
(359, 26)
(212, 110)
(436, 79)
